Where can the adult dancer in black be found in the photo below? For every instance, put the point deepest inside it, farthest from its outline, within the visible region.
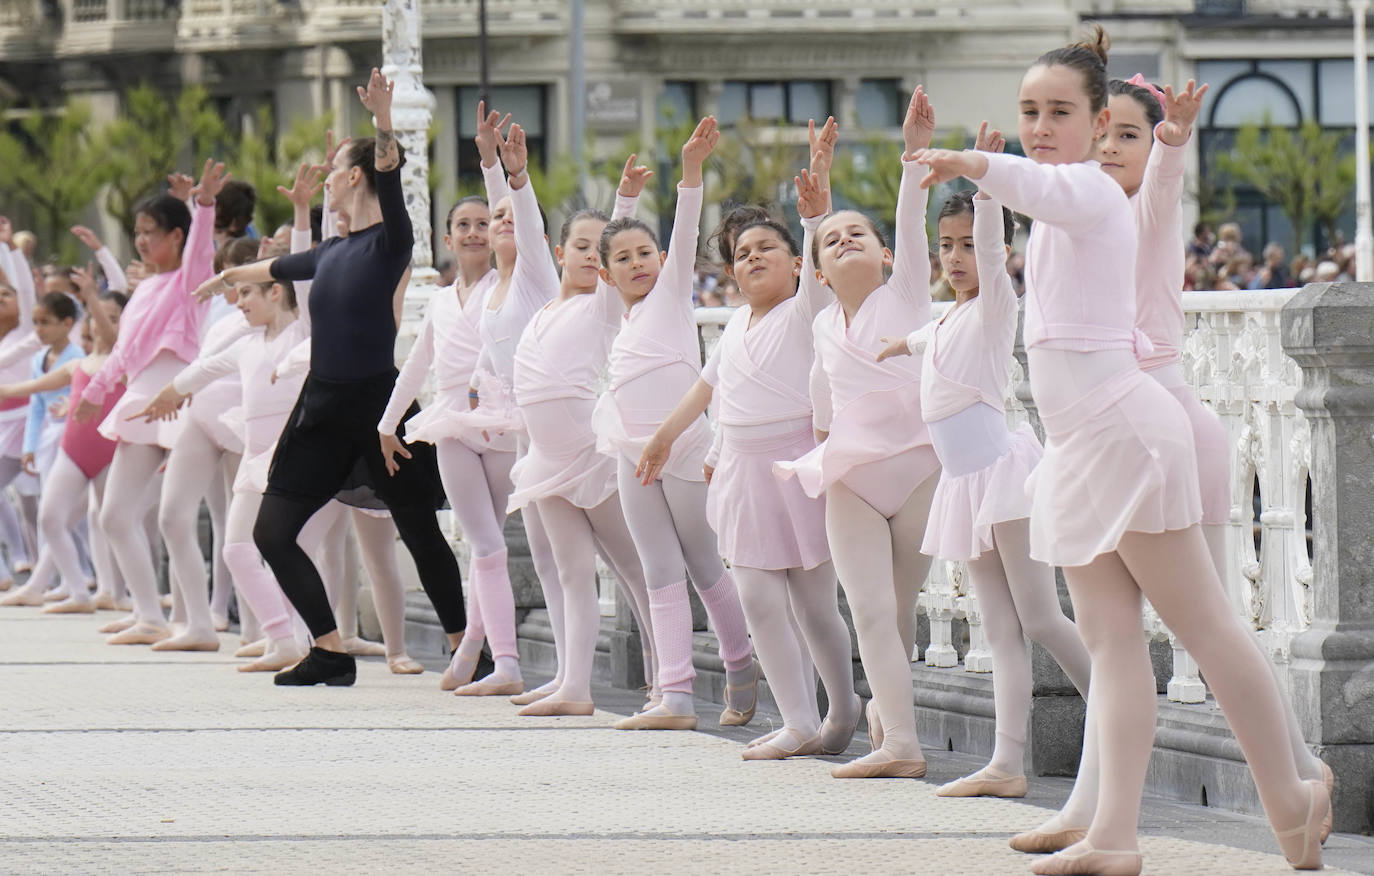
(330, 443)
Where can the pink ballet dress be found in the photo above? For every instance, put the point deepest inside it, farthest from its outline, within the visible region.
(656, 358)
(1119, 456)
(558, 368)
(983, 464)
(1158, 206)
(82, 442)
(763, 414)
(872, 409)
(208, 405)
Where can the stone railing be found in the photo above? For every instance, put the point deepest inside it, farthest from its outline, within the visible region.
(831, 15)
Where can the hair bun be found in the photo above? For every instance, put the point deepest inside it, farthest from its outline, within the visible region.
(1098, 43)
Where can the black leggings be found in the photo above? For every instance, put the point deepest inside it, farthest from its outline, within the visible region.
(329, 445)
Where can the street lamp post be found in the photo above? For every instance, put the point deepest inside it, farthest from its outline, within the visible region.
(1364, 237)
(411, 113)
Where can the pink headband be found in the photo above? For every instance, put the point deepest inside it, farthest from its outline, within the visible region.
(1139, 81)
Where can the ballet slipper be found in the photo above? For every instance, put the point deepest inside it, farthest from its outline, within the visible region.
(765, 738)
(276, 660)
(834, 738)
(403, 665)
(119, 626)
(140, 634)
(654, 700)
(186, 641)
(23, 568)
(360, 647)
(1040, 841)
(6, 584)
(459, 671)
(487, 687)
(1301, 845)
(71, 605)
(732, 717)
(987, 782)
(772, 750)
(252, 649)
(57, 594)
(165, 600)
(548, 707)
(1083, 858)
(875, 725)
(220, 623)
(24, 596)
(105, 602)
(1328, 779)
(532, 696)
(880, 765)
(658, 718)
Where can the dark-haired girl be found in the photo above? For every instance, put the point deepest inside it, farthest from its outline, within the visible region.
(1116, 499)
(159, 334)
(980, 511)
(655, 359)
(772, 533)
(330, 441)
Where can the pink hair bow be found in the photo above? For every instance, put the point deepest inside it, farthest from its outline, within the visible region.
(1139, 81)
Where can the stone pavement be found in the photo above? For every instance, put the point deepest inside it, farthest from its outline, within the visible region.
(122, 759)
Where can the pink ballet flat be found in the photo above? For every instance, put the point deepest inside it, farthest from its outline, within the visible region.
(835, 739)
(403, 665)
(1328, 779)
(70, 606)
(501, 688)
(551, 708)
(531, 696)
(1041, 842)
(886, 767)
(875, 725)
(772, 751)
(1086, 859)
(657, 720)
(981, 785)
(1307, 854)
(732, 717)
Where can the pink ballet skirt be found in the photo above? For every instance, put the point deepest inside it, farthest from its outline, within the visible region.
(1119, 457)
(1209, 437)
(966, 506)
(448, 416)
(762, 522)
(141, 389)
(562, 459)
(616, 438)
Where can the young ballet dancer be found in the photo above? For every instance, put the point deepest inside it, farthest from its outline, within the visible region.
(159, 334)
(772, 533)
(331, 437)
(18, 344)
(53, 318)
(875, 465)
(474, 460)
(1116, 499)
(563, 477)
(980, 513)
(75, 484)
(655, 359)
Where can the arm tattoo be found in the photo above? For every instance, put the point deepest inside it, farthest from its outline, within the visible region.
(387, 156)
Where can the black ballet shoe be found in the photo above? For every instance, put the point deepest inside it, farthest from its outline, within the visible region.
(321, 666)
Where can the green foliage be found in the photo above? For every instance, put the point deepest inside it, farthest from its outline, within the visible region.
(266, 164)
(53, 167)
(868, 174)
(755, 162)
(1304, 172)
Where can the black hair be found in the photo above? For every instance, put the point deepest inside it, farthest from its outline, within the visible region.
(782, 231)
(731, 224)
(235, 252)
(288, 289)
(117, 297)
(574, 218)
(470, 199)
(615, 226)
(1088, 57)
(1197, 229)
(960, 203)
(1154, 113)
(234, 206)
(167, 213)
(316, 223)
(59, 304)
(362, 153)
(816, 238)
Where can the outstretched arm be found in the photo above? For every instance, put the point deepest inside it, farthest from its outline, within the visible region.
(55, 379)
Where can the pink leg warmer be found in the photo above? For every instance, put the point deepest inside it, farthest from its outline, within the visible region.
(727, 619)
(257, 586)
(492, 579)
(671, 615)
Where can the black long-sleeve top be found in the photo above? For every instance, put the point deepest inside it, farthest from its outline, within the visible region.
(353, 329)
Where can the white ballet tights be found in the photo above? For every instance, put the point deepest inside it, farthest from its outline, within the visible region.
(192, 468)
(1167, 568)
(882, 570)
(773, 599)
(11, 532)
(133, 478)
(574, 534)
(63, 504)
(546, 567)
(1017, 598)
(258, 591)
(217, 499)
(108, 582)
(377, 544)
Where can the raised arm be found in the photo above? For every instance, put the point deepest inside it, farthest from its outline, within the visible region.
(633, 179)
(1161, 191)
(990, 247)
(102, 327)
(911, 258)
(55, 379)
(1075, 197)
(535, 278)
(813, 204)
(682, 248)
(309, 180)
(489, 140)
(376, 98)
(198, 255)
(114, 274)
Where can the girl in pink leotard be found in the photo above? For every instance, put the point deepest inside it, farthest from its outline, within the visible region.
(655, 359)
(1115, 499)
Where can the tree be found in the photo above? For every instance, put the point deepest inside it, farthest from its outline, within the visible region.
(152, 137)
(267, 162)
(53, 166)
(1302, 172)
(868, 174)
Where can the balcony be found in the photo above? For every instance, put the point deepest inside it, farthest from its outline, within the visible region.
(362, 19)
(834, 16)
(26, 30)
(116, 26)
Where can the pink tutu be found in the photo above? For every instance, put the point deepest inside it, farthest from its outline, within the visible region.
(965, 507)
(613, 438)
(1213, 450)
(1119, 458)
(149, 382)
(562, 459)
(493, 425)
(762, 522)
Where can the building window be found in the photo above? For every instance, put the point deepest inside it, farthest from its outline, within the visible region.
(790, 102)
(879, 103)
(525, 103)
(677, 103)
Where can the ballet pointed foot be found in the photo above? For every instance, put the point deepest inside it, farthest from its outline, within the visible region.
(105, 602)
(252, 649)
(880, 765)
(57, 594)
(491, 687)
(532, 696)
(404, 665)
(119, 626)
(548, 707)
(736, 694)
(360, 647)
(220, 623)
(1328, 779)
(1302, 845)
(765, 738)
(70, 606)
(140, 634)
(1083, 858)
(459, 672)
(875, 725)
(835, 738)
(274, 661)
(984, 783)
(23, 597)
(1041, 842)
(774, 750)
(657, 719)
(188, 642)
(6, 584)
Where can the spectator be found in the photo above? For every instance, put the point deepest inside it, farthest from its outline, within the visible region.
(1237, 274)
(1298, 265)
(1203, 240)
(729, 292)
(1272, 273)
(26, 242)
(1198, 276)
(711, 298)
(448, 271)
(1327, 272)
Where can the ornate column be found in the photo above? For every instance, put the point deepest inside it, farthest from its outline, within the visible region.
(411, 113)
(1328, 329)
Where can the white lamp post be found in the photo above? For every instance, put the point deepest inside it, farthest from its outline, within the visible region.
(1364, 237)
(411, 113)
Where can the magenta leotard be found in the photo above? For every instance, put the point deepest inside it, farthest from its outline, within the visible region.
(82, 442)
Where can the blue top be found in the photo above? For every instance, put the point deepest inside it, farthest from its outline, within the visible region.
(39, 402)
